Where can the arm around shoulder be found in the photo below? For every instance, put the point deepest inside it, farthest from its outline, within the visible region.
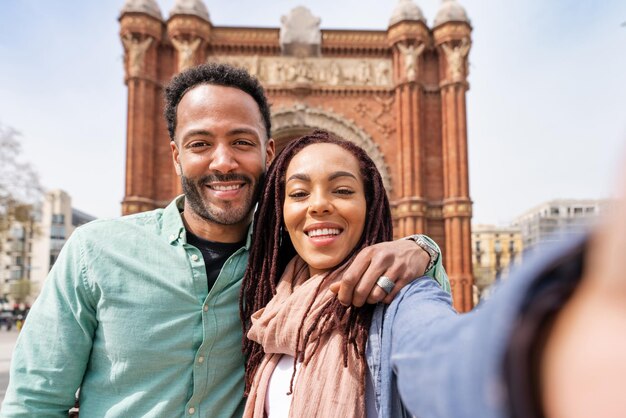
(53, 348)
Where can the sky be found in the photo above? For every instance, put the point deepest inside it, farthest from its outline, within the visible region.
(546, 105)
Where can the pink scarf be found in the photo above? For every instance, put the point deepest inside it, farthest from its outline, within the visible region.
(323, 387)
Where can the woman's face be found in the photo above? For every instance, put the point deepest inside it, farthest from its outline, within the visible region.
(324, 207)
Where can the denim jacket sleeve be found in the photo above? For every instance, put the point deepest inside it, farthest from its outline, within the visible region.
(53, 348)
(420, 314)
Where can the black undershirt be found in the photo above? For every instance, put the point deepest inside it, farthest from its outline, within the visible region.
(214, 254)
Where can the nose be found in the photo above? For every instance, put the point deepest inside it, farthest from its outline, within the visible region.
(223, 159)
(319, 204)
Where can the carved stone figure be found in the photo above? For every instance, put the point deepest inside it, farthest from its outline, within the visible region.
(411, 54)
(335, 76)
(186, 49)
(382, 73)
(300, 33)
(365, 74)
(455, 56)
(136, 50)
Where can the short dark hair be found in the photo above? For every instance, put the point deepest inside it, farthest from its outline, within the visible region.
(220, 75)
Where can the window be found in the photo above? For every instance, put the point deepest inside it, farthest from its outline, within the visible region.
(53, 258)
(17, 232)
(554, 211)
(57, 232)
(58, 218)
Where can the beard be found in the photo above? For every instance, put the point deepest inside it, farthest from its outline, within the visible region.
(224, 212)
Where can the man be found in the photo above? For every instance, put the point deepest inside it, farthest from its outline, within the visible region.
(142, 312)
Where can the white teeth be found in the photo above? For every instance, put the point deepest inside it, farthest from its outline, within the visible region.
(323, 232)
(224, 188)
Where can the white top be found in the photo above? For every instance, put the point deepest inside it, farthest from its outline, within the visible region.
(277, 402)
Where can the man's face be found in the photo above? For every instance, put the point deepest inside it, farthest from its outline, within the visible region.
(221, 152)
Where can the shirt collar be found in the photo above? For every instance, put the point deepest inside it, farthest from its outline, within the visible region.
(173, 227)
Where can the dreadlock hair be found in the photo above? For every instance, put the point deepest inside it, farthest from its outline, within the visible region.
(218, 75)
(271, 250)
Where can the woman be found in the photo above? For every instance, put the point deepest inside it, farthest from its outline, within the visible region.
(308, 355)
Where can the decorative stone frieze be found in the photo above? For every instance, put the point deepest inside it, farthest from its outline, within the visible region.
(281, 71)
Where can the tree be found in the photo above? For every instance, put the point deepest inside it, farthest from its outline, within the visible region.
(19, 183)
(20, 190)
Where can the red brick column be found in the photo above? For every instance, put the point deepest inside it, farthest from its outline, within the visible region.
(141, 35)
(408, 41)
(452, 41)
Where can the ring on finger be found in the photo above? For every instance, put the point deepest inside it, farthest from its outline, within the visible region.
(386, 284)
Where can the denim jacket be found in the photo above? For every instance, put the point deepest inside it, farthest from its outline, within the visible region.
(434, 300)
(378, 350)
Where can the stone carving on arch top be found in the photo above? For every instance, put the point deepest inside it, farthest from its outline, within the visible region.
(281, 72)
(291, 122)
(136, 48)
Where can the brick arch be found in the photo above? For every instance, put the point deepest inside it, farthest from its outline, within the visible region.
(289, 123)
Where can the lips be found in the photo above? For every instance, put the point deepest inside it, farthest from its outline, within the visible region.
(225, 187)
(323, 232)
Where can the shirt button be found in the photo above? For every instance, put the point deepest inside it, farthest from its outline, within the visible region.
(172, 237)
(205, 308)
(200, 359)
(192, 410)
(194, 257)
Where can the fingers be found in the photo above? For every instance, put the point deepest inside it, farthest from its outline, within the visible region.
(352, 275)
(402, 261)
(366, 289)
(400, 283)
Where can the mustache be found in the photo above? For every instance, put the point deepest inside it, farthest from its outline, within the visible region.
(209, 178)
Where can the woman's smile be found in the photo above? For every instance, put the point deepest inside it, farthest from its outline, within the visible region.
(324, 208)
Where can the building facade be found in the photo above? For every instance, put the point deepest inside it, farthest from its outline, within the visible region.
(16, 244)
(495, 250)
(558, 219)
(30, 248)
(400, 93)
(57, 221)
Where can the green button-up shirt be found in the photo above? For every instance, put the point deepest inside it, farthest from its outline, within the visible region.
(126, 315)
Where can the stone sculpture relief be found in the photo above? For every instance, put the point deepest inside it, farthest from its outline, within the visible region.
(282, 71)
(411, 54)
(300, 33)
(455, 56)
(186, 49)
(383, 117)
(136, 50)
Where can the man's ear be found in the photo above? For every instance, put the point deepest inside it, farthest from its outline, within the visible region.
(176, 158)
(270, 152)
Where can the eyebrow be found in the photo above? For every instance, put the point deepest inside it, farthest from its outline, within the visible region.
(233, 132)
(333, 176)
(195, 132)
